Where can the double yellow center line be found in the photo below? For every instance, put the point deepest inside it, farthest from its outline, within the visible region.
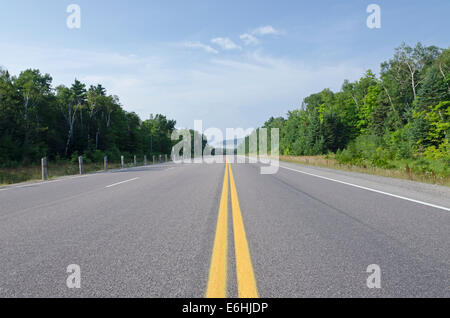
(217, 282)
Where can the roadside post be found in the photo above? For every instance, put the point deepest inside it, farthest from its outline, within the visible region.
(105, 160)
(44, 168)
(122, 162)
(80, 164)
(135, 161)
(145, 160)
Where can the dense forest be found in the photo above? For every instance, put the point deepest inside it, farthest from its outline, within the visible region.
(399, 119)
(37, 120)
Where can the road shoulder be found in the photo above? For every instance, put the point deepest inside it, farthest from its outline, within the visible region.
(433, 194)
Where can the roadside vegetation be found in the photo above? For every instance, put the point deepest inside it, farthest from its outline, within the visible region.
(33, 172)
(62, 123)
(20, 173)
(398, 121)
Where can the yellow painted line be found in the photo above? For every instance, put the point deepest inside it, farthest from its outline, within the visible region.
(217, 281)
(244, 269)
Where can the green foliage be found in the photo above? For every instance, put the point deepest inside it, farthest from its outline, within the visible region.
(439, 153)
(399, 120)
(399, 144)
(366, 150)
(96, 156)
(37, 120)
(370, 103)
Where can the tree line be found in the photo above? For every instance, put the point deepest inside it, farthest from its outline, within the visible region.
(403, 114)
(37, 120)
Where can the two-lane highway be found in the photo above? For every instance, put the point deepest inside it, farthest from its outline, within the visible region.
(219, 230)
(218, 274)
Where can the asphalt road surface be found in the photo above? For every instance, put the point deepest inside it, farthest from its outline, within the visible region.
(218, 230)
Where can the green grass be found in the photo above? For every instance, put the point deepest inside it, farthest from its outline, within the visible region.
(415, 170)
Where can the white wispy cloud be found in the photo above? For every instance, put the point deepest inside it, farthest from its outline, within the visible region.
(266, 30)
(199, 45)
(252, 37)
(226, 44)
(249, 39)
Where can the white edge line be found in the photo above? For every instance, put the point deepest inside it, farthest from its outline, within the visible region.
(369, 189)
(115, 184)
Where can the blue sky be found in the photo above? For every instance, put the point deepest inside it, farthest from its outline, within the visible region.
(230, 63)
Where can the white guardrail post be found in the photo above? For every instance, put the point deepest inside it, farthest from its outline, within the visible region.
(80, 164)
(105, 162)
(44, 168)
(122, 162)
